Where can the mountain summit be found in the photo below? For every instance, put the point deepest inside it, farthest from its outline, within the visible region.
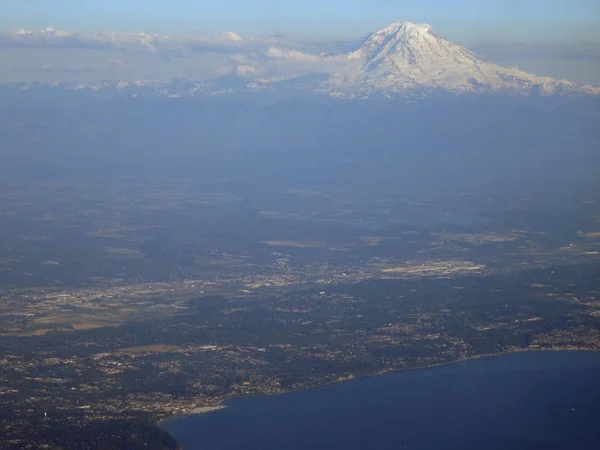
(406, 56)
(403, 58)
(394, 39)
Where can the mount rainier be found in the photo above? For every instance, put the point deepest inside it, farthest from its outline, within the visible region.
(403, 58)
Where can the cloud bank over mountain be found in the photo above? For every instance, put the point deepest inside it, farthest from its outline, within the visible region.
(136, 42)
(400, 56)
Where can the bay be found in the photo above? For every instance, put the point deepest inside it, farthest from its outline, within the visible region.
(529, 400)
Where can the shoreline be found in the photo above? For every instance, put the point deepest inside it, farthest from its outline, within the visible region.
(218, 405)
(199, 410)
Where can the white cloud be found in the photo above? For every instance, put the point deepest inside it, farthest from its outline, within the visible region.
(129, 41)
(294, 55)
(231, 36)
(178, 55)
(290, 62)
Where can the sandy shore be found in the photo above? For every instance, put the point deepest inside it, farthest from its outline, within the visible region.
(205, 409)
(219, 405)
(209, 409)
(191, 412)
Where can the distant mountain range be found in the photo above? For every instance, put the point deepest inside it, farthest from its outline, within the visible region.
(403, 58)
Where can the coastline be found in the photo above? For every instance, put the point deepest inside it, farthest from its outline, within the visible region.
(194, 412)
(219, 404)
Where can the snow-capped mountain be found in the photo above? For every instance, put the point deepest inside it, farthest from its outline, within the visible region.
(406, 56)
(403, 58)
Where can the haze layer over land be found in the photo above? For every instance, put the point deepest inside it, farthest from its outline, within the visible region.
(400, 57)
(301, 218)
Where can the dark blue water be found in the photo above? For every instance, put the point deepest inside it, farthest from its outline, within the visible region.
(541, 400)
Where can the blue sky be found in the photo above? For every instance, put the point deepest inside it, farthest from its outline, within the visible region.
(511, 20)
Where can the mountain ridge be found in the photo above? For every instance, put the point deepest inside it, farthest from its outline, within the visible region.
(401, 59)
(407, 56)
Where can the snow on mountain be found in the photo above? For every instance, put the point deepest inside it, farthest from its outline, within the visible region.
(402, 58)
(407, 56)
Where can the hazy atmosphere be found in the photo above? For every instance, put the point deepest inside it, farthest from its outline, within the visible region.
(73, 41)
(254, 225)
